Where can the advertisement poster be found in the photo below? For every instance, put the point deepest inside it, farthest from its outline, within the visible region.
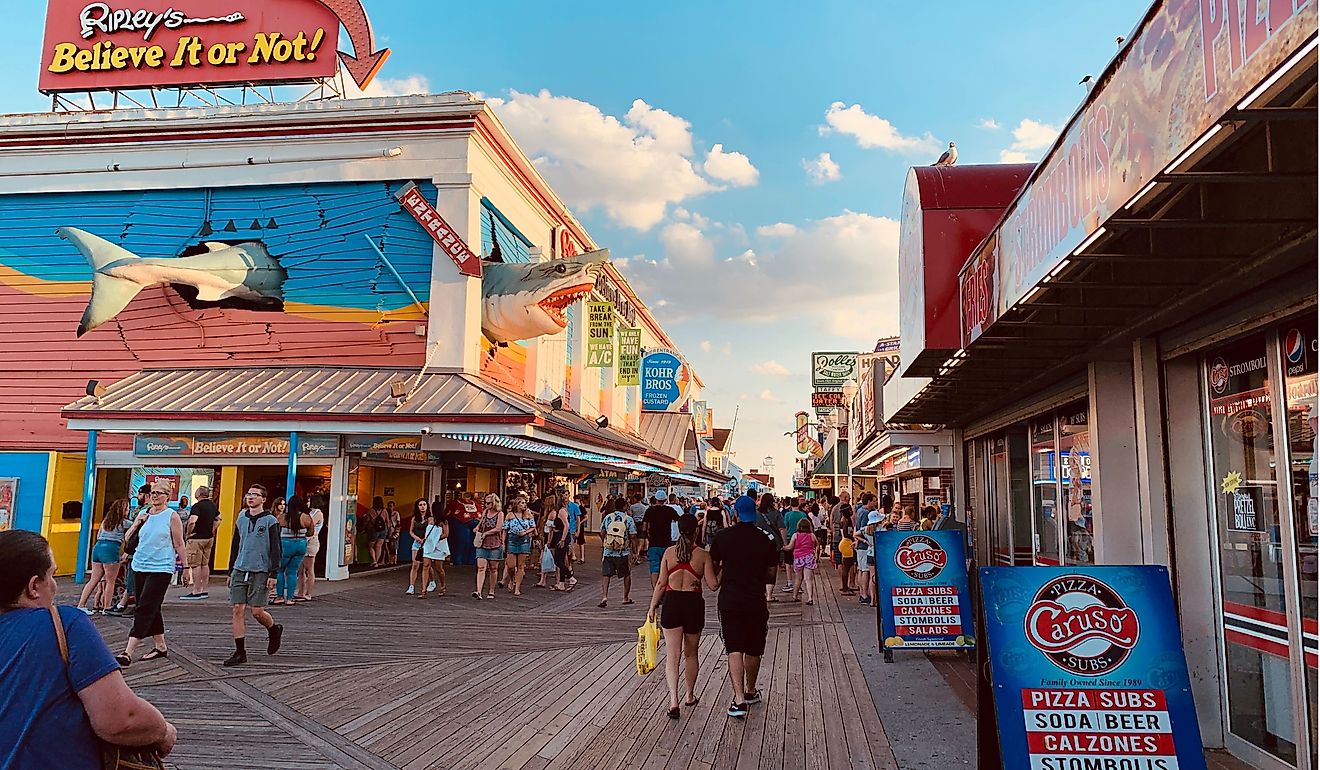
(8, 499)
(629, 368)
(664, 381)
(832, 369)
(182, 482)
(600, 335)
(1088, 669)
(923, 595)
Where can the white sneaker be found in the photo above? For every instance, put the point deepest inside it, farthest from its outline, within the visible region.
(430, 587)
(86, 611)
(409, 592)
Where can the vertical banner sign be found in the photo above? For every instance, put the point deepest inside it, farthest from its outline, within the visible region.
(1088, 669)
(600, 335)
(924, 602)
(412, 200)
(628, 370)
(664, 381)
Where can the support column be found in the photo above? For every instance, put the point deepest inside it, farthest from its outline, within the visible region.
(291, 479)
(453, 332)
(335, 519)
(1152, 490)
(1115, 479)
(88, 501)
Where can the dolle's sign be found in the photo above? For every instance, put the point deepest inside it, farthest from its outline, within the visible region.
(91, 46)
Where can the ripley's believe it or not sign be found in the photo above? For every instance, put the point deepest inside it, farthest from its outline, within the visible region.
(94, 46)
(923, 590)
(1088, 669)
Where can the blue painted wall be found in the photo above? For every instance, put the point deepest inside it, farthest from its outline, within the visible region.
(31, 469)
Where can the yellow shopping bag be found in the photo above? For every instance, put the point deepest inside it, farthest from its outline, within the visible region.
(648, 645)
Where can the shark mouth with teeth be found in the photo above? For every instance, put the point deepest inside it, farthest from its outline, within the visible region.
(556, 303)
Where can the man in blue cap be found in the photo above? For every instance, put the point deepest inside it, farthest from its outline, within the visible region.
(746, 558)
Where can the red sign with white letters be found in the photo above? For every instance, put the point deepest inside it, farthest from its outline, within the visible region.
(415, 203)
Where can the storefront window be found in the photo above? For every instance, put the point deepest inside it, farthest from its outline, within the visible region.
(1298, 351)
(1075, 460)
(1045, 491)
(1010, 482)
(1250, 552)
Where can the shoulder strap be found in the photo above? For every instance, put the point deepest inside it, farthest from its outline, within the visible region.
(59, 633)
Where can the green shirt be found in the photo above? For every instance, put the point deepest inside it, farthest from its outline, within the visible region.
(791, 521)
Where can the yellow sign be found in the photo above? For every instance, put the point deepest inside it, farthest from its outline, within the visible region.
(600, 335)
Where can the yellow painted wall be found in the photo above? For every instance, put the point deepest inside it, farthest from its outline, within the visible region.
(64, 481)
(408, 485)
(482, 480)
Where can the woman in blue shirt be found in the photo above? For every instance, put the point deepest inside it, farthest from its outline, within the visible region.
(54, 711)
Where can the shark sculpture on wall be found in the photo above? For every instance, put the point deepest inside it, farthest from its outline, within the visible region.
(243, 271)
(521, 301)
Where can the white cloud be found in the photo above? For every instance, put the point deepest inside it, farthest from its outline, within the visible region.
(873, 131)
(405, 86)
(731, 167)
(823, 255)
(634, 168)
(771, 368)
(706, 346)
(823, 169)
(989, 124)
(686, 245)
(766, 395)
(777, 230)
(743, 397)
(727, 350)
(1029, 139)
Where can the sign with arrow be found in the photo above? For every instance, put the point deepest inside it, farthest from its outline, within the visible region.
(203, 43)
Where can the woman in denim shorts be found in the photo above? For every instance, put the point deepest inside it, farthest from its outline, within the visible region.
(106, 556)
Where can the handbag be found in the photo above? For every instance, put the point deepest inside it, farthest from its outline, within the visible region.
(648, 646)
(113, 756)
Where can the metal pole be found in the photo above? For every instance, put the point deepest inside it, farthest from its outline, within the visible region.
(89, 499)
(847, 420)
(293, 466)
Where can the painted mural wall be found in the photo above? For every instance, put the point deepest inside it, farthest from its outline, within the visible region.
(235, 276)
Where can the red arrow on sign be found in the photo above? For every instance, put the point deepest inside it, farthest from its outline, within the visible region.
(363, 66)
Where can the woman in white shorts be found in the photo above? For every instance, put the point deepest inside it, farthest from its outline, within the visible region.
(307, 571)
(435, 549)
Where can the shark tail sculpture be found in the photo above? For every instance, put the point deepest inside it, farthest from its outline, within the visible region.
(243, 271)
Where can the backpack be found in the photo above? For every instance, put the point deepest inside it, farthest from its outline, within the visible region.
(616, 533)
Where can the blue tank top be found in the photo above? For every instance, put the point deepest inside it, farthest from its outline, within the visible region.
(155, 551)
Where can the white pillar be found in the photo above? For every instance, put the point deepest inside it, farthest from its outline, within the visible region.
(334, 520)
(1114, 473)
(1149, 426)
(453, 332)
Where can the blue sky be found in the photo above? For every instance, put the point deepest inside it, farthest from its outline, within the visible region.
(688, 137)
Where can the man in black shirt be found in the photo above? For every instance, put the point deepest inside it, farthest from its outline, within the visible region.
(199, 542)
(746, 558)
(658, 523)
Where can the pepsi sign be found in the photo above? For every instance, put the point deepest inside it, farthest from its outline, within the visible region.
(1088, 669)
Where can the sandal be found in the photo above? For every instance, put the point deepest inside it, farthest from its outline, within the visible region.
(123, 660)
(673, 713)
(155, 653)
(629, 601)
(603, 603)
(692, 702)
(476, 596)
(490, 595)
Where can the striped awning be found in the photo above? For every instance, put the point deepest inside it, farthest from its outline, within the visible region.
(532, 446)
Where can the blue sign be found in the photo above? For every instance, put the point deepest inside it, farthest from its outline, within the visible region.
(923, 595)
(1088, 669)
(663, 377)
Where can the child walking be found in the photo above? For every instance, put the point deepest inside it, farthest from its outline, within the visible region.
(803, 547)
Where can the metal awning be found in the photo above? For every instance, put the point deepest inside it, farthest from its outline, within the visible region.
(1234, 213)
(666, 432)
(532, 446)
(303, 392)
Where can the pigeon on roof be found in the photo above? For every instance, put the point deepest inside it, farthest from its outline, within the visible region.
(949, 157)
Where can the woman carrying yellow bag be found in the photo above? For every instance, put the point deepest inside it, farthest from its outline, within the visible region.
(677, 597)
(648, 645)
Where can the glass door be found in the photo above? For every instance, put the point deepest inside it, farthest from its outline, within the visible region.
(1075, 460)
(1255, 554)
(1045, 492)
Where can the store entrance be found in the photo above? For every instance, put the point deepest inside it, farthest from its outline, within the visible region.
(1261, 414)
(382, 501)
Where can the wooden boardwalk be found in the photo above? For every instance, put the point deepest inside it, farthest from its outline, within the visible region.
(370, 678)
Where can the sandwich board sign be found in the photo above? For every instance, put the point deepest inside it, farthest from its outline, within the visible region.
(1088, 669)
(923, 597)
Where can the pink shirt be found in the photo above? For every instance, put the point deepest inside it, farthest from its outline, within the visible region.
(803, 544)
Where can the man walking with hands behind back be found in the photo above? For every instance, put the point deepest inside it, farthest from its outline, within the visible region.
(257, 545)
(746, 558)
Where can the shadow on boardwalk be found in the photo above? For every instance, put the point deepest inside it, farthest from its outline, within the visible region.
(370, 678)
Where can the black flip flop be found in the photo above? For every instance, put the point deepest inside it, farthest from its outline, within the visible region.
(673, 713)
(155, 654)
(123, 660)
(692, 702)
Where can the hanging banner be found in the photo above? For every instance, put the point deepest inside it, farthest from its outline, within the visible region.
(664, 382)
(1088, 668)
(628, 370)
(806, 443)
(924, 602)
(226, 445)
(93, 46)
(701, 418)
(600, 335)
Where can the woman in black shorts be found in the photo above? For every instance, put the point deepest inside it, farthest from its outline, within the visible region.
(683, 615)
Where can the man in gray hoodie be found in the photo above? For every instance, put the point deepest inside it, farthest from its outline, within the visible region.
(257, 553)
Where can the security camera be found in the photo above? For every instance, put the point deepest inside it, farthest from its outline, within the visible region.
(426, 430)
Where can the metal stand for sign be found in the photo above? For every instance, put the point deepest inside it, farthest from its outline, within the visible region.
(236, 95)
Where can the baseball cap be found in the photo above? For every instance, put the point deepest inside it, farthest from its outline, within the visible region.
(874, 518)
(661, 495)
(746, 509)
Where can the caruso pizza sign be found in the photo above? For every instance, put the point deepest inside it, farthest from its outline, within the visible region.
(121, 44)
